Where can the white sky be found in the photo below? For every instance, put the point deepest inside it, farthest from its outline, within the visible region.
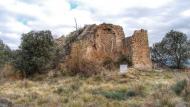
(157, 16)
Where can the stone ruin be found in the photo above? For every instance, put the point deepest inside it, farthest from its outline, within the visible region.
(138, 48)
(108, 40)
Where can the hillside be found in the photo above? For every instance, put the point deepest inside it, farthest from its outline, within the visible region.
(95, 53)
(108, 89)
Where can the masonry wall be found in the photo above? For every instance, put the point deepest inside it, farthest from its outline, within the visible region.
(128, 49)
(108, 40)
(140, 50)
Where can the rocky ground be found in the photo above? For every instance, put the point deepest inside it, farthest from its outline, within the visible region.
(108, 89)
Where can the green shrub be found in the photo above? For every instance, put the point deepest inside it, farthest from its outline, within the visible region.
(115, 95)
(162, 97)
(120, 94)
(35, 52)
(5, 54)
(179, 86)
(186, 94)
(131, 93)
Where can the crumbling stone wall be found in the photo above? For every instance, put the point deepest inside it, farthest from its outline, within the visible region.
(105, 41)
(139, 49)
(108, 40)
(127, 46)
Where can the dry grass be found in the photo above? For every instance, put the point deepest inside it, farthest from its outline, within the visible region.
(108, 89)
(78, 64)
(8, 72)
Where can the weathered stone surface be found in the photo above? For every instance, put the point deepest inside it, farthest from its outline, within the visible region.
(108, 40)
(140, 52)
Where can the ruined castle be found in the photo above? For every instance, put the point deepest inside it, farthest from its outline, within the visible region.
(105, 40)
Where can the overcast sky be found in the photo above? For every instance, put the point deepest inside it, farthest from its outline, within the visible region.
(157, 16)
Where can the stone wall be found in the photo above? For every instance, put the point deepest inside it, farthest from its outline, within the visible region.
(108, 40)
(140, 50)
(128, 46)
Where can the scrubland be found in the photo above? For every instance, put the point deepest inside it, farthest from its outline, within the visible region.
(157, 88)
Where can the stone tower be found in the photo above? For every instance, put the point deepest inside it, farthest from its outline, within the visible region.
(140, 51)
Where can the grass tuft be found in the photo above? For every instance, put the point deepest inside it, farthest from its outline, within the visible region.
(122, 94)
(179, 86)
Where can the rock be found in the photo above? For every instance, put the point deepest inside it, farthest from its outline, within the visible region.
(5, 103)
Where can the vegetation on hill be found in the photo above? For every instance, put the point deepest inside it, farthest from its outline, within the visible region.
(38, 51)
(109, 89)
(173, 50)
(80, 83)
(5, 54)
(35, 52)
(76, 64)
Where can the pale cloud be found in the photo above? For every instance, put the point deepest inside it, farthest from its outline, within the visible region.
(186, 13)
(114, 7)
(157, 16)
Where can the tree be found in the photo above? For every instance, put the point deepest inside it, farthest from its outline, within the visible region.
(173, 50)
(5, 54)
(35, 52)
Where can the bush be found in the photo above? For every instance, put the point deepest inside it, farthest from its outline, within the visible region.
(83, 67)
(120, 94)
(35, 52)
(8, 72)
(172, 51)
(179, 86)
(131, 93)
(162, 97)
(182, 88)
(123, 94)
(115, 95)
(5, 54)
